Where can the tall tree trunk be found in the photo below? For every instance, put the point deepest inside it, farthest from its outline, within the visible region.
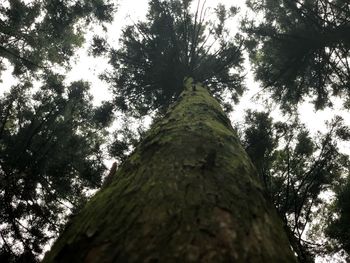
(188, 193)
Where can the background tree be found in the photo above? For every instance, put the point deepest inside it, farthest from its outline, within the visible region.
(41, 33)
(301, 48)
(297, 170)
(50, 155)
(339, 216)
(50, 135)
(156, 55)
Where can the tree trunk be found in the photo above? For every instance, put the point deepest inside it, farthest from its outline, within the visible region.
(188, 193)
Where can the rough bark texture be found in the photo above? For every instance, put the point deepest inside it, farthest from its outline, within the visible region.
(188, 193)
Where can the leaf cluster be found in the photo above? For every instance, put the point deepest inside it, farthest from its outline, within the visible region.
(301, 49)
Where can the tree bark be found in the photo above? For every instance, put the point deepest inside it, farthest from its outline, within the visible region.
(188, 193)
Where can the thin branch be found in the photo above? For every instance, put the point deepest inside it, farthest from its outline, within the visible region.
(21, 58)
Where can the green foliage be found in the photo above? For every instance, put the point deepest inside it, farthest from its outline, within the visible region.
(156, 55)
(259, 142)
(50, 155)
(50, 135)
(301, 48)
(39, 33)
(295, 169)
(338, 227)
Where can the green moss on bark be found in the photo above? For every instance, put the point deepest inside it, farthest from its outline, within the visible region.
(188, 193)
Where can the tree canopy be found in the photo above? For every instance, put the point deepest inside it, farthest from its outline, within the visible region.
(156, 55)
(296, 169)
(301, 48)
(50, 154)
(338, 227)
(38, 34)
(51, 135)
